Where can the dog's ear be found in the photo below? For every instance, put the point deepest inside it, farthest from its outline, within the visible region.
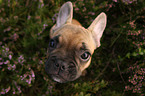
(65, 14)
(97, 27)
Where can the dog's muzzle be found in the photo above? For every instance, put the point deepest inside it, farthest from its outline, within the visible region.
(61, 70)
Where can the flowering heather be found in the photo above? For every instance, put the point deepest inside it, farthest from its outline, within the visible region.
(8, 64)
(125, 1)
(117, 67)
(137, 79)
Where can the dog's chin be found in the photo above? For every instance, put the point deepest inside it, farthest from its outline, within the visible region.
(58, 78)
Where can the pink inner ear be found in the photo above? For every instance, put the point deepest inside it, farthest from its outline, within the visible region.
(65, 14)
(98, 43)
(97, 27)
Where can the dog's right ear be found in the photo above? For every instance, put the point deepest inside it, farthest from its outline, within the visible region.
(64, 16)
(97, 27)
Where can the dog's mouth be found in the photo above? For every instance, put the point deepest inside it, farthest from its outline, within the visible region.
(58, 78)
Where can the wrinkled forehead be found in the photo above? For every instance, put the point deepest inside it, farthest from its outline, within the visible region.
(77, 36)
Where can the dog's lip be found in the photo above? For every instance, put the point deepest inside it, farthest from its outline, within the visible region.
(58, 78)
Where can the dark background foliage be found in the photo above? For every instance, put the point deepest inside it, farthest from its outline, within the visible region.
(117, 67)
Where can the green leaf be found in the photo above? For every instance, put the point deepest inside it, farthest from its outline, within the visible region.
(81, 94)
(134, 54)
(128, 55)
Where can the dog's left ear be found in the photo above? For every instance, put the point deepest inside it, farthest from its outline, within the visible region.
(97, 27)
(65, 14)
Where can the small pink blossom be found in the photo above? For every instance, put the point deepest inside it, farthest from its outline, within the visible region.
(41, 1)
(7, 29)
(15, 17)
(7, 49)
(15, 36)
(44, 26)
(76, 9)
(40, 62)
(128, 1)
(1, 43)
(8, 89)
(11, 67)
(14, 92)
(7, 62)
(30, 79)
(29, 17)
(32, 72)
(1, 63)
(115, 0)
(10, 57)
(2, 92)
(21, 59)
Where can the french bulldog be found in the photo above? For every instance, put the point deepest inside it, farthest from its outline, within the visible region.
(71, 45)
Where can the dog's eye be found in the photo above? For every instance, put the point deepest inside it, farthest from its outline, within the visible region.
(52, 43)
(85, 56)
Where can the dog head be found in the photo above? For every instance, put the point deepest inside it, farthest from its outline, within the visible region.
(71, 45)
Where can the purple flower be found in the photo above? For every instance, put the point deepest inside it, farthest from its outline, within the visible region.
(17, 86)
(128, 1)
(15, 17)
(8, 89)
(41, 4)
(54, 17)
(7, 62)
(11, 67)
(25, 75)
(41, 1)
(39, 33)
(14, 92)
(32, 72)
(44, 25)
(2, 92)
(19, 89)
(15, 36)
(115, 0)
(30, 79)
(1, 43)
(10, 57)
(8, 3)
(1, 63)
(7, 49)
(76, 9)
(8, 29)
(21, 59)
(40, 62)
(29, 17)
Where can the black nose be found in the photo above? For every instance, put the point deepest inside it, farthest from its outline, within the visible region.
(58, 64)
(62, 67)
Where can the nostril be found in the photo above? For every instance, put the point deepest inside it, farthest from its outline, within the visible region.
(62, 68)
(56, 64)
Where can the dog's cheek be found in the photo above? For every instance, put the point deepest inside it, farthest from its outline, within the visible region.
(85, 65)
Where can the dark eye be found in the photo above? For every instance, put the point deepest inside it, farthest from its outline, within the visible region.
(85, 56)
(52, 43)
